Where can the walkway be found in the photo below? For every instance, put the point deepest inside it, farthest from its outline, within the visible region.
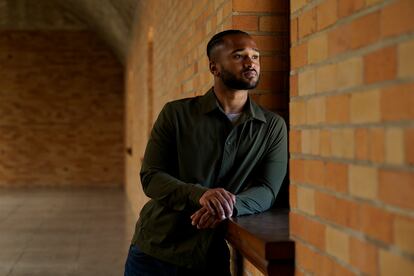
(64, 232)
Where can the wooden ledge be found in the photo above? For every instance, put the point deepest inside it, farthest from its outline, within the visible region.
(264, 240)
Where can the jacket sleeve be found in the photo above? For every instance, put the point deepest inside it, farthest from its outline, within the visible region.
(271, 171)
(160, 165)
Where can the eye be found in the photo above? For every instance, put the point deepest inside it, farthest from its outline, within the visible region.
(255, 57)
(237, 56)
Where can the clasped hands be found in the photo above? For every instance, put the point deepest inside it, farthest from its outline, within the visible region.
(217, 205)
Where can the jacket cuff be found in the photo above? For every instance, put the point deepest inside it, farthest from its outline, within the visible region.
(194, 197)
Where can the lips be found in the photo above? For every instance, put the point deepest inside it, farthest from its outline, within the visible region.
(250, 74)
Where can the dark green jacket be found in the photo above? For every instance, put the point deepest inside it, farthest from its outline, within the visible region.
(194, 147)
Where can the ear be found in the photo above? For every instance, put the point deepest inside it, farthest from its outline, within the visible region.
(214, 68)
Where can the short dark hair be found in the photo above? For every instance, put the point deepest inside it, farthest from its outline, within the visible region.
(218, 39)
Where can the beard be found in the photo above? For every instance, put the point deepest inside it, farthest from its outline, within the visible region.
(232, 81)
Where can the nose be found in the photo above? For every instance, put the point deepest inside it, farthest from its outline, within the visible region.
(248, 62)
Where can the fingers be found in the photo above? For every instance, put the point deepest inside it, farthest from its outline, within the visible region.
(195, 218)
(218, 206)
(219, 202)
(211, 207)
(208, 221)
(226, 205)
(203, 219)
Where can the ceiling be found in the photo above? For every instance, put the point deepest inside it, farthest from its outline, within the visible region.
(111, 20)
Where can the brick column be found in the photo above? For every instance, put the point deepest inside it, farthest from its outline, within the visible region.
(351, 118)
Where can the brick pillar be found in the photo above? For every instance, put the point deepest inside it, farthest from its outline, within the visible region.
(351, 120)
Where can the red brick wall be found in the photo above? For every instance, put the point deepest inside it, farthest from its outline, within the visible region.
(61, 110)
(351, 137)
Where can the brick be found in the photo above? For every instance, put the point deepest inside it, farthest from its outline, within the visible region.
(300, 225)
(337, 108)
(396, 188)
(349, 73)
(339, 40)
(365, 107)
(297, 112)
(314, 172)
(218, 3)
(306, 200)
(259, 6)
(270, 43)
(273, 63)
(336, 210)
(299, 55)
(342, 143)
(315, 110)
(365, 30)
(307, 23)
(307, 82)
(326, 78)
(294, 30)
(337, 177)
(337, 243)
(348, 7)
(406, 59)
(273, 81)
(296, 5)
(273, 101)
(295, 141)
(372, 2)
(325, 143)
(397, 102)
(328, 266)
(298, 272)
(293, 85)
(376, 222)
(275, 23)
(409, 146)
(403, 233)
(246, 22)
(317, 48)
(61, 122)
(391, 264)
(297, 170)
(293, 196)
(364, 256)
(305, 257)
(394, 146)
(381, 65)
(377, 145)
(306, 141)
(397, 18)
(326, 206)
(363, 181)
(326, 14)
(361, 144)
(315, 141)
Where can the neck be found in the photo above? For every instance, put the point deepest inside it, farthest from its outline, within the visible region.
(232, 101)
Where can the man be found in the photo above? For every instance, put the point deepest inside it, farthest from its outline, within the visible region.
(208, 158)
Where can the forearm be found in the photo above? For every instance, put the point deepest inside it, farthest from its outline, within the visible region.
(170, 191)
(261, 192)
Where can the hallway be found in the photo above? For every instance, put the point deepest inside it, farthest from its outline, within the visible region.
(64, 231)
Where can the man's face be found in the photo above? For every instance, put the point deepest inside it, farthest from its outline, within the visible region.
(238, 63)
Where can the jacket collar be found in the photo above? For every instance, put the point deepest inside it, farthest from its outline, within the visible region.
(209, 103)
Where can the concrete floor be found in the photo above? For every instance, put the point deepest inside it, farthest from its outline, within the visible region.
(64, 232)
